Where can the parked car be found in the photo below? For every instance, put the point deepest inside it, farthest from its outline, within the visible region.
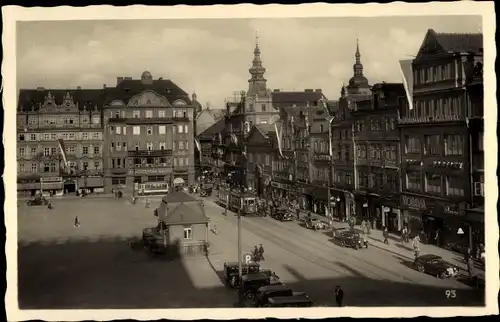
(231, 272)
(435, 265)
(315, 224)
(290, 301)
(264, 293)
(252, 282)
(37, 201)
(281, 214)
(350, 238)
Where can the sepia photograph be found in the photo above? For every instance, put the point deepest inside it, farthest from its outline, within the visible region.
(318, 159)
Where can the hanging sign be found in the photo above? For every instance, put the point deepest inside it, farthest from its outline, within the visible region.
(460, 231)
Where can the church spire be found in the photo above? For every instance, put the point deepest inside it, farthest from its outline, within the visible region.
(358, 67)
(257, 83)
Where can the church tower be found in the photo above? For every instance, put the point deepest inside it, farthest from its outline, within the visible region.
(358, 84)
(257, 84)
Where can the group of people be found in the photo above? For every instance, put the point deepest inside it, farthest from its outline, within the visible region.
(258, 253)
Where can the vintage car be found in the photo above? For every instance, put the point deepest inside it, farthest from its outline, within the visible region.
(264, 293)
(206, 190)
(281, 214)
(252, 282)
(348, 237)
(231, 272)
(315, 224)
(37, 201)
(290, 301)
(435, 265)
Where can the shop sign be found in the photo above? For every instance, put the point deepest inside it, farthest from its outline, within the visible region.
(413, 202)
(148, 171)
(451, 210)
(51, 179)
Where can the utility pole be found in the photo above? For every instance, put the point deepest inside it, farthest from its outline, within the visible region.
(242, 188)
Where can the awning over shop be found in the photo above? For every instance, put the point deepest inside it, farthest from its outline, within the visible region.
(178, 180)
(28, 186)
(52, 186)
(91, 182)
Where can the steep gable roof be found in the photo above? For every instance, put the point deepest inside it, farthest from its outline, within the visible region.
(182, 213)
(29, 98)
(265, 129)
(281, 99)
(217, 114)
(177, 196)
(209, 132)
(460, 42)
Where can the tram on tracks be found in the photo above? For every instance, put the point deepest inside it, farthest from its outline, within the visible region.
(238, 201)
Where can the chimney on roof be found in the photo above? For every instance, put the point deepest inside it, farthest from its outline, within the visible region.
(78, 87)
(308, 90)
(103, 85)
(119, 80)
(40, 89)
(318, 90)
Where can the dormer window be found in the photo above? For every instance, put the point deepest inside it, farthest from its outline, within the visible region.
(148, 102)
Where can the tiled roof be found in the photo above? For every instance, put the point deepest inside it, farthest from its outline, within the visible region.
(84, 97)
(130, 87)
(217, 127)
(459, 42)
(177, 196)
(182, 213)
(217, 114)
(264, 129)
(280, 99)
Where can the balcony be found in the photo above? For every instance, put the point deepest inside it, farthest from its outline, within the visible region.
(149, 153)
(140, 121)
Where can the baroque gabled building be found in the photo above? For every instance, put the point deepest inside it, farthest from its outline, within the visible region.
(261, 150)
(436, 158)
(45, 116)
(149, 134)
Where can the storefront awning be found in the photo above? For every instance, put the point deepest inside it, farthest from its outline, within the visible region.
(91, 183)
(28, 186)
(52, 186)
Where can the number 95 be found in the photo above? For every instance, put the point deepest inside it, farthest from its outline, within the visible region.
(450, 294)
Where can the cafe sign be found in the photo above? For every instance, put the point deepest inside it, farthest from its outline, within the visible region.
(148, 171)
(413, 202)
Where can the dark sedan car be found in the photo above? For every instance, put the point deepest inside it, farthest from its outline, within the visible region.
(435, 265)
(281, 214)
(350, 238)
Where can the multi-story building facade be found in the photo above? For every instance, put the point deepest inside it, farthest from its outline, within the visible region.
(206, 139)
(292, 171)
(261, 150)
(149, 133)
(46, 115)
(436, 156)
(376, 140)
(474, 85)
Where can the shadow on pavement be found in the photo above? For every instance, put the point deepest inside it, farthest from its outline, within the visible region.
(107, 274)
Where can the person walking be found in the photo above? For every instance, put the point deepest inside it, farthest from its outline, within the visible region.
(404, 235)
(339, 295)
(77, 222)
(386, 236)
(363, 226)
(261, 252)
(416, 247)
(256, 257)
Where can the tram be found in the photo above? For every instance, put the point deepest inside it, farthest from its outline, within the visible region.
(238, 201)
(152, 188)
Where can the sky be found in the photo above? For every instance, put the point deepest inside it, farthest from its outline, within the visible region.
(212, 56)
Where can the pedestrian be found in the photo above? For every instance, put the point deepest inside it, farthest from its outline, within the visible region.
(436, 237)
(77, 222)
(386, 236)
(339, 295)
(261, 252)
(416, 247)
(470, 267)
(363, 226)
(404, 232)
(256, 254)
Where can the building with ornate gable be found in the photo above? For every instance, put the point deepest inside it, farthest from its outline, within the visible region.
(149, 133)
(43, 117)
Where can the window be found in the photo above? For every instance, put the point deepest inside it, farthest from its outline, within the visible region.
(33, 151)
(263, 107)
(186, 129)
(432, 145)
(186, 163)
(433, 183)
(33, 137)
(321, 128)
(162, 129)
(186, 145)
(453, 145)
(97, 165)
(22, 151)
(96, 119)
(188, 233)
(53, 151)
(180, 129)
(480, 141)
(71, 149)
(117, 180)
(149, 114)
(97, 150)
(118, 130)
(21, 137)
(149, 146)
(175, 162)
(52, 167)
(34, 167)
(348, 179)
(161, 113)
(124, 145)
(97, 135)
(413, 181)
(162, 146)
(46, 167)
(46, 136)
(181, 162)
(118, 146)
(85, 149)
(46, 151)
(136, 114)
(85, 136)
(268, 159)
(412, 144)
(174, 145)
(85, 165)
(72, 136)
(149, 130)
(181, 145)
(136, 130)
(454, 186)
